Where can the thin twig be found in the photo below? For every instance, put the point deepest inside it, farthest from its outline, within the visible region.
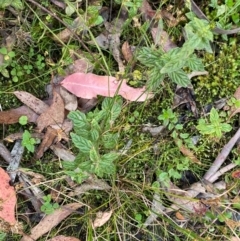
(223, 170)
(222, 156)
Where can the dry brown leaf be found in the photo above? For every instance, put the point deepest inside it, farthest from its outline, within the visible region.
(85, 105)
(53, 115)
(70, 100)
(63, 238)
(102, 218)
(50, 221)
(47, 141)
(12, 116)
(188, 153)
(179, 216)
(127, 52)
(66, 34)
(31, 101)
(185, 199)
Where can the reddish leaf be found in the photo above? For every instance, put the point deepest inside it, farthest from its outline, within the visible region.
(53, 115)
(7, 199)
(90, 85)
(236, 174)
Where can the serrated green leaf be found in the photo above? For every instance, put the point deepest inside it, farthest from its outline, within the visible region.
(17, 4)
(110, 157)
(79, 119)
(214, 115)
(226, 127)
(179, 77)
(194, 63)
(94, 157)
(110, 140)
(155, 79)
(173, 65)
(81, 143)
(94, 135)
(149, 57)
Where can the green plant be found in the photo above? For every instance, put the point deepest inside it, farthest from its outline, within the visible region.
(28, 68)
(28, 141)
(2, 236)
(172, 63)
(230, 9)
(95, 141)
(23, 120)
(47, 206)
(215, 127)
(7, 59)
(16, 4)
(16, 71)
(40, 62)
(169, 118)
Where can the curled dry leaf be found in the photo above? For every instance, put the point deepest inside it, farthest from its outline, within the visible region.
(63, 238)
(188, 153)
(127, 52)
(7, 199)
(102, 218)
(90, 86)
(53, 115)
(47, 141)
(31, 101)
(12, 116)
(51, 220)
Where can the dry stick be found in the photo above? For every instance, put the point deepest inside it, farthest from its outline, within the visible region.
(222, 156)
(223, 170)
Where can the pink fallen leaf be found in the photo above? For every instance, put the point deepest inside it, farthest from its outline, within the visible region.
(7, 199)
(102, 218)
(63, 238)
(90, 85)
(50, 221)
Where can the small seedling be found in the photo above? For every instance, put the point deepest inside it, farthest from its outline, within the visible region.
(28, 141)
(215, 127)
(23, 120)
(168, 118)
(47, 206)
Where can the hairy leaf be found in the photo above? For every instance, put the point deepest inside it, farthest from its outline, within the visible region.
(180, 78)
(81, 143)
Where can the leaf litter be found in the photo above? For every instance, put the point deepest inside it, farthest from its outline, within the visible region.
(85, 88)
